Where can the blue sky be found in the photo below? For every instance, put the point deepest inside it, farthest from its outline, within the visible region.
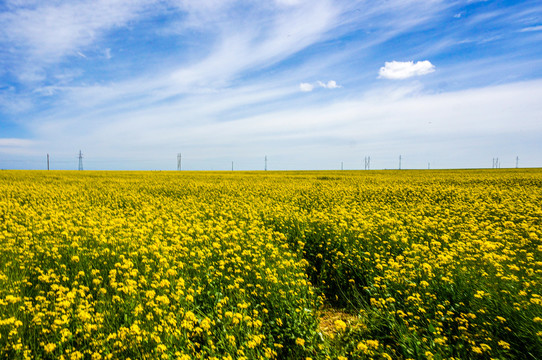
(309, 84)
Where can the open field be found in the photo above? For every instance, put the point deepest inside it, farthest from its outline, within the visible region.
(286, 265)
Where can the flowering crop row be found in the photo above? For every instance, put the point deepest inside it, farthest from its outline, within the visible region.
(180, 265)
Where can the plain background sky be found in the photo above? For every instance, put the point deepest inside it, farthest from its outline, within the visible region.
(309, 84)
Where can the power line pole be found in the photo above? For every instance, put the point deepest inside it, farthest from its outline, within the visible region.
(367, 163)
(496, 164)
(80, 160)
(265, 163)
(179, 162)
(48, 162)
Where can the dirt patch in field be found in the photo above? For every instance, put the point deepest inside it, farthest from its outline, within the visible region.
(329, 316)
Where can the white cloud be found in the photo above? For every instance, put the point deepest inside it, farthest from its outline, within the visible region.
(265, 39)
(532, 28)
(306, 87)
(13, 103)
(331, 84)
(46, 32)
(16, 146)
(397, 70)
(14, 142)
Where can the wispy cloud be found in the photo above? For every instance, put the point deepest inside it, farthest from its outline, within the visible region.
(532, 28)
(261, 43)
(16, 146)
(12, 142)
(46, 32)
(398, 70)
(12, 102)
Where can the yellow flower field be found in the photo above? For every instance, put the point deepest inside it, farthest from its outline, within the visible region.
(235, 265)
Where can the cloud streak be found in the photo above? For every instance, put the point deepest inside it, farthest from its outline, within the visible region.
(532, 28)
(46, 33)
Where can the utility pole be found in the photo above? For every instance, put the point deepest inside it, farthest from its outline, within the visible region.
(179, 161)
(48, 162)
(265, 168)
(496, 164)
(399, 162)
(80, 160)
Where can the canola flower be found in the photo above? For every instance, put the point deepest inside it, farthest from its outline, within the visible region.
(430, 264)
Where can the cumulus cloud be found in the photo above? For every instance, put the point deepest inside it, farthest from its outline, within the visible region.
(397, 70)
(331, 84)
(305, 87)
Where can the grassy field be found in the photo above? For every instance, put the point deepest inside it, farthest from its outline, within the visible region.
(280, 265)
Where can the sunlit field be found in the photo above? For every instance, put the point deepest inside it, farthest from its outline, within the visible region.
(279, 265)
